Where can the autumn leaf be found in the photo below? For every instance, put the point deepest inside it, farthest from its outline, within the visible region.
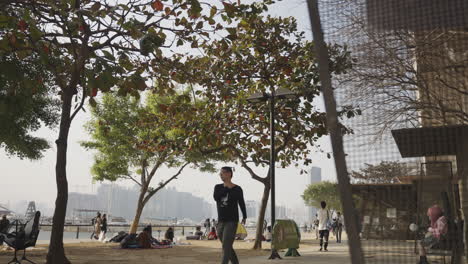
(157, 5)
(22, 25)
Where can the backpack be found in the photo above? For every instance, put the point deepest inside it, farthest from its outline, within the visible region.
(129, 240)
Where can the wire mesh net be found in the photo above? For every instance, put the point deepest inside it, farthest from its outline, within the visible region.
(407, 156)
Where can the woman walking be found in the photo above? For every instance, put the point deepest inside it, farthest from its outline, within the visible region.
(102, 235)
(97, 226)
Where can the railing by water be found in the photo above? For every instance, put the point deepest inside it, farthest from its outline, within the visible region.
(87, 228)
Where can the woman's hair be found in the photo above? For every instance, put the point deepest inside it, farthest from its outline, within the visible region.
(228, 169)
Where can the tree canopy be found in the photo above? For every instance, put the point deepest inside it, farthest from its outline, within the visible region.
(323, 191)
(260, 55)
(25, 107)
(384, 172)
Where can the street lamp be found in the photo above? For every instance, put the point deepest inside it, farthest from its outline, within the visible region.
(263, 97)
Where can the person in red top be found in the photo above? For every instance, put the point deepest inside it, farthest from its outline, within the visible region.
(436, 231)
(212, 235)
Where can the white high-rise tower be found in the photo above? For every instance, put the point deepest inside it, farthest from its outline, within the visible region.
(315, 176)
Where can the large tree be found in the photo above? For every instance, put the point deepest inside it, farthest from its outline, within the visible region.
(89, 46)
(260, 55)
(135, 140)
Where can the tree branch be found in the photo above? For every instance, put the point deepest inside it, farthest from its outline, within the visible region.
(162, 185)
(133, 179)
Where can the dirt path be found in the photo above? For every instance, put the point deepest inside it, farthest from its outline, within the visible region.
(199, 252)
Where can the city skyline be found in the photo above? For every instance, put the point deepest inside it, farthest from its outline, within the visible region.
(40, 174)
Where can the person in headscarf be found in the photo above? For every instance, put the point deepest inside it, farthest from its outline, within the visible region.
(436, 232)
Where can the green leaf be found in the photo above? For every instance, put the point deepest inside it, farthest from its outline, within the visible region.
(96, 7)
(180, 42)
(213, 11)
(231, 30)
(92, 102)
(108, 55)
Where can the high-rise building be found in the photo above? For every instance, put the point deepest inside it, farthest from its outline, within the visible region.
(315, 176)
(168, 203)
(252, 209)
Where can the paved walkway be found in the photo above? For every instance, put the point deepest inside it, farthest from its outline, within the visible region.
(338, 253)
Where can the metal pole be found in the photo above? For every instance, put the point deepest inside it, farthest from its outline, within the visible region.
(77, 232)
(344, 187)
(274, 253)
(272, 158)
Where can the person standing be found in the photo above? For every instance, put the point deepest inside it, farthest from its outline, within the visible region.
(214, 223)
(207, 225)
(316, 224)
(97, 226)
(4, 224)
(229, 197)
(339, 227)
(323, 216)
(102, 235)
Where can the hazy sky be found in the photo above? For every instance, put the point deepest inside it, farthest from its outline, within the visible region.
(35, 180)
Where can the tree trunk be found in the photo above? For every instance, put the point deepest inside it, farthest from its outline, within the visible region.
(56, 254)
(139, 211)
(261, 215)
(344, 187)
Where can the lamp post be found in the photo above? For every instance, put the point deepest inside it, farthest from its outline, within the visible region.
(263, 97)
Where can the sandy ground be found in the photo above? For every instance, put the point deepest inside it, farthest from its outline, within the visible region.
(206, 252)
(209, 252)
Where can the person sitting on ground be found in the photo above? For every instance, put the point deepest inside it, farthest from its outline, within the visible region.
(144, 238)
(268, 234)
(169, 234)
(212, 235)
(436, 232)
(198, 231)
(197, 235)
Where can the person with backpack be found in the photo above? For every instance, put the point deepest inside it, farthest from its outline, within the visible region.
(323, 216)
